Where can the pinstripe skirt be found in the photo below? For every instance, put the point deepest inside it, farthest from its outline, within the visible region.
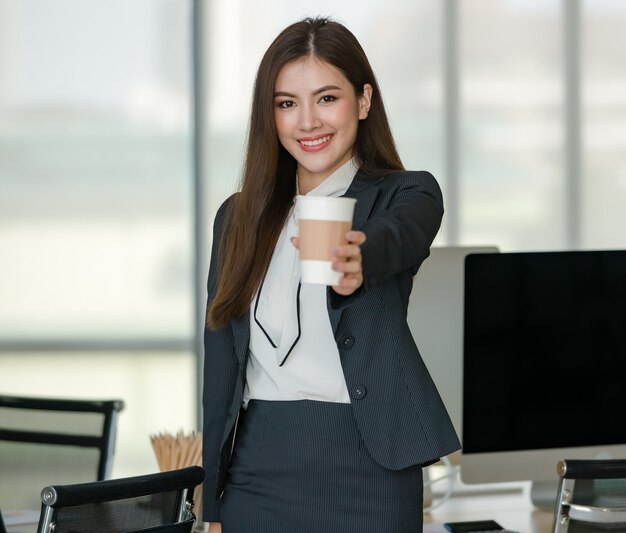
(301, 467)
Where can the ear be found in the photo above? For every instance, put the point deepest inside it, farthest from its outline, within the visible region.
(365, 101)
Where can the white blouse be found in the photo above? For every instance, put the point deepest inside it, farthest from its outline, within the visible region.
(312, 369)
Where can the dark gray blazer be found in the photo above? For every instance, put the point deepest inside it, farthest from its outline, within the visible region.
(397, 408)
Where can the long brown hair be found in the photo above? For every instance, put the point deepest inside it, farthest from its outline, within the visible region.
(268, 185)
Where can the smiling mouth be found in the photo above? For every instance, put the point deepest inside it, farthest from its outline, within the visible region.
(316, 142)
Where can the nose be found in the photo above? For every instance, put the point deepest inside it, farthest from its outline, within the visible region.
(309, 118)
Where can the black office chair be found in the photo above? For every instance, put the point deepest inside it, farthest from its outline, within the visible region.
(45, 441)
(161, 502)
(591, 496)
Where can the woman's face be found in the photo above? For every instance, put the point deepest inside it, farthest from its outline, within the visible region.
(317, 114)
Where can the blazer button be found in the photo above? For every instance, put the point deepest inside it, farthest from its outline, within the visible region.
(346, 342)
(358, 392)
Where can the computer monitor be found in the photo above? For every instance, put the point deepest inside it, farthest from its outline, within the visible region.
(544, 363)
(435, 318)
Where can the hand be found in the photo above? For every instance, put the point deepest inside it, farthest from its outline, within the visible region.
(215, 527)
(349, 261)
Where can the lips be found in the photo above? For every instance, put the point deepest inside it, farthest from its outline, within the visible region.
(313, 144)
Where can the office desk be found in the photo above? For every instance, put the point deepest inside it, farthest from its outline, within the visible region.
(26, 521)
(512, 510)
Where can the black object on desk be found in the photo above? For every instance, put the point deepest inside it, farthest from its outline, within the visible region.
(478, 526)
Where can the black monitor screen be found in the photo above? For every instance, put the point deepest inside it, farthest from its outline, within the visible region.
(544, 350)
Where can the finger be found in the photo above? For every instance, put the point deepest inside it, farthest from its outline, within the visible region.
(350, 281)
(347, 267)
(356, 237)
(343, 291)
(296, 242)
(347, 250)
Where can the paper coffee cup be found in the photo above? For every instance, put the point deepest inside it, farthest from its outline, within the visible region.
(322, 225)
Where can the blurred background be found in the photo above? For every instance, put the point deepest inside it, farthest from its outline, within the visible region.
(122, 126)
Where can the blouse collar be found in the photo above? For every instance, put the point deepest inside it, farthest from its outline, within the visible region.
(337, 183)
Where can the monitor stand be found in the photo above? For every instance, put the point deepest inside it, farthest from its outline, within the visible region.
(543, 494)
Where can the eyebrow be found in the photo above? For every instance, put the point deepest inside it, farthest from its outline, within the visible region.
(316, 92)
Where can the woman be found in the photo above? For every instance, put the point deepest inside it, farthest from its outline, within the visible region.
(333, 409)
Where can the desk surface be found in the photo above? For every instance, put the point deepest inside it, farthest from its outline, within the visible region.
(21, 521)
(512, 510)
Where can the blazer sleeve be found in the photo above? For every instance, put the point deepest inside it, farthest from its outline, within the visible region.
(400, 230)
(220, 372)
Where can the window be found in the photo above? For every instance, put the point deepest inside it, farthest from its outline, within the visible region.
(95, 210)
(603, 114)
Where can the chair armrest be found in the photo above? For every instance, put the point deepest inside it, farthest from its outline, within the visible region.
(597, 515)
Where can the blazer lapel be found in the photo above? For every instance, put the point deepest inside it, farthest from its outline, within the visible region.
(365, 189)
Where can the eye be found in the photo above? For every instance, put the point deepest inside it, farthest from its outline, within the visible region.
(327, 99)
(285, 104)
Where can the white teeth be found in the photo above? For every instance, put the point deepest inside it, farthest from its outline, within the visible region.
(316, 141)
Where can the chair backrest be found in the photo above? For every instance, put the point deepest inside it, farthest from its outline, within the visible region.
(160, 502)
(591, 496)
(45, 441)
